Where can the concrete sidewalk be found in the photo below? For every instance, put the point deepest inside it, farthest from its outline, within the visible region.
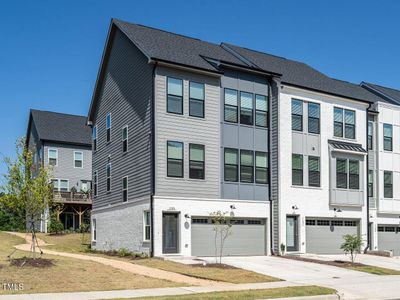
(151, 292)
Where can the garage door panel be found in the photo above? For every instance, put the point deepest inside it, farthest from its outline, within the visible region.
(389, 240)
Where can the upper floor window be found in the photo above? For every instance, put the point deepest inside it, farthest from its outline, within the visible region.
(388, 184)
(108, 127)
(125, 189)
(261, 167)
(297, 115)
(297, 169)
(370, 135)
(174, 95)
(60, 185)
(125, 139)
(354, 174)
(344, 123)
(196, 161)
(347, 174)
(174, 159)
(94, 137)
(261, 111)
(53, 157)
(370, 183)
(246, 166)
(196, 99)
(313, 118)
(231, 167)
(95, 182)
(231, 106)
(108, 176)
(246, 108)
(78, 159)
(314, 172)
(387, 137)
(341, 173)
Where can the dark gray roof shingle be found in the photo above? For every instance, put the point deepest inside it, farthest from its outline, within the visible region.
(61, 128)
(386, 94)
(340, 145)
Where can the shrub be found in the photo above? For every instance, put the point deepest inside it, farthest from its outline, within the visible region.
(55, 226)
(352, 245)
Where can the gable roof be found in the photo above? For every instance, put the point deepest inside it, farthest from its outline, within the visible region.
(386, 94)
(59, 127)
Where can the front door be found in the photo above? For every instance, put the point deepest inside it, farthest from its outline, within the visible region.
(170, 233)
(69, 221)
(292, 243)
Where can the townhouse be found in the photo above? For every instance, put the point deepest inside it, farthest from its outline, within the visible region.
(182, 128)
(62, 143)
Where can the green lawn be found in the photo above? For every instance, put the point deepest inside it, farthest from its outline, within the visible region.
(72, 242)
(285, 292)
(375, 270)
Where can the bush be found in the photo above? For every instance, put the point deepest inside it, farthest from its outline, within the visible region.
(9, 221)
(352, 245)
(55, 226)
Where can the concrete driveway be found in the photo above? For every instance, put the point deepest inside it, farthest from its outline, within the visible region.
(349, 284)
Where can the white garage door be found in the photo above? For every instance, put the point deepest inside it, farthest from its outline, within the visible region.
(325, 236)
(389, 238)
(247, 237)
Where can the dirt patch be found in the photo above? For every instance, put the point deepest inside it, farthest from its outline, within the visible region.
(336, 263)
(30, 262)
(213, 265)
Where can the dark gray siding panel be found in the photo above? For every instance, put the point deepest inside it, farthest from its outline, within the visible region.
(126, 93)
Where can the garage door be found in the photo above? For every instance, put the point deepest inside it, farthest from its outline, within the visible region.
(247, 237)
(325, 236)
(389, 239)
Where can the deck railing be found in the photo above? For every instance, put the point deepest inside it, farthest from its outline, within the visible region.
(70, 197)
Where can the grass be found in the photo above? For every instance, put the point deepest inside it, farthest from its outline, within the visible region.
(232, 275)
(375, 270)
(297, 291)
(66, 242)
(68, 274)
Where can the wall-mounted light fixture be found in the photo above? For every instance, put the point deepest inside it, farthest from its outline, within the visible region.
(187, 216)
(232, 206)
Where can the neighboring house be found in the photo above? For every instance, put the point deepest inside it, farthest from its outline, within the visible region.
(62, 143)
(384, 168)
(183, 128)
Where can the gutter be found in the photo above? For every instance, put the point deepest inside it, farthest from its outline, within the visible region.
(271, 239)
(367, 167)
(153, 164)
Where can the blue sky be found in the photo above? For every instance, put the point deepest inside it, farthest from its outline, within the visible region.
(50, 50)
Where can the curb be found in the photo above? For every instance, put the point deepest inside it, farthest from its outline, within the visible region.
(321, 297)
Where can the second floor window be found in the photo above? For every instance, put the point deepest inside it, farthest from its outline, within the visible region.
(53, 157)
(95, 182)
(125, 189)
(196, 161)
(261, 111)
(344, 123)
(78, 159)
(108, 177)
(231, 167)
(297, 169)
(297, 115)
(370, 135)
(354, 174)
(314, 172)
(60, 185)
(175, 96)
(125, 139)
(246, 166)
(196, 99)
(313, 118)
(261, 167)
(388, 184)
(341, 173)
(370, 183)
(230, 106)
(246, 108)
(387, 137)
(94, 138)
(174, 159)
(108, 127)
(347, 174)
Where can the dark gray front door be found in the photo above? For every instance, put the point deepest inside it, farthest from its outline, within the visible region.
(170, 233)
(292, 243)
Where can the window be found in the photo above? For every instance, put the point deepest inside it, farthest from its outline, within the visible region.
(53, 157)
(196, 161)
(370, 183)
(108, 127)
(310, 222)
(323, 223)
(388, 184)
(231, 106)
(231, 167)
(175, 96)
(64, 185)
(261, 111)
(55, 184)
(341, 173)
(313, 118)
(370, 135)
(387, 137)
(314, 171)
(95, 180)
(175, 159)
(344, 120)
(94, 229)
(297, 115)
(125, 139)
(147, 224)
(199, 221)
(94, 138)
(354, 174)
(246, 108)
(78, 159)
(350, 223)
(246, 166)
(196, 99)
(336, 223)
(254, 222)
(108, 176)
(261, 167)
(297, 169)
(125, 189)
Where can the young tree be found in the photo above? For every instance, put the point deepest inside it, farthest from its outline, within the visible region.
(27, 189)
(222, 229)
(352, 245)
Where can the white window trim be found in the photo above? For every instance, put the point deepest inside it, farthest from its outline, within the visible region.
(59, 184)
(127, 138)
(107, 178)
(127, 188)
(48, 156)
(76, 159)
(94, 228)
(95, 182)
(144, 225)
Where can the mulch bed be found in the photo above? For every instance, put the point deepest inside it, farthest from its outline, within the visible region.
(336, 263)
(30, 262)
(117, 254)
(213, 265)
